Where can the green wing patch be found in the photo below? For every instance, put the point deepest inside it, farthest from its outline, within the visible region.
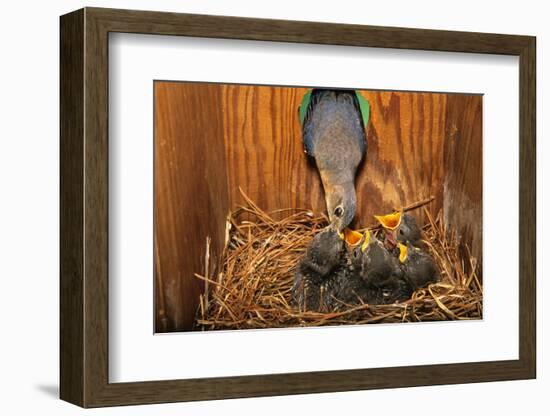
(364, 106)
(302, 110)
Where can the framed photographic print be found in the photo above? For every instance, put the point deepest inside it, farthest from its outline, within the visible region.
(255, 207)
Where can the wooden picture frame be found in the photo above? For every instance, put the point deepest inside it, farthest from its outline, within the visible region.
(84, 207)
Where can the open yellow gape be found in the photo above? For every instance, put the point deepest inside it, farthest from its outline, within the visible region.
(403, 251)
(353, 238)
(390, 221)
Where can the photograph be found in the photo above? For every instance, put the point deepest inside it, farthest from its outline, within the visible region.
(304, 206)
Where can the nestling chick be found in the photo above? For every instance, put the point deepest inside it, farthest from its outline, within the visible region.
(314, 271)
(348, 288)
(409, 231)
(324, 252)
(379, 271)
(333, 133)
(344, 289)
(418, 266)
(399, 227)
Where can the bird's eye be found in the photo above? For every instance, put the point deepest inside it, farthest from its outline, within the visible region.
(401, 232)
(338, 212)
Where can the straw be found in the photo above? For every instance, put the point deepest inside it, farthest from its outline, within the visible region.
(254, 288)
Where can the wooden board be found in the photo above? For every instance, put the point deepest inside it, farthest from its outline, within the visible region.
(190, 196)
(263, 145)
(405, 153)
(463, 160)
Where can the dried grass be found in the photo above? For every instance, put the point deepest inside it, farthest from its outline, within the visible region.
(253, 289)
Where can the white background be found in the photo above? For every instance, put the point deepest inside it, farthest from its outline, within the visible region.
(136, 60)
(29, 213)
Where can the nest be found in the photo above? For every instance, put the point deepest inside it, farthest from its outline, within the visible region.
(253, 288)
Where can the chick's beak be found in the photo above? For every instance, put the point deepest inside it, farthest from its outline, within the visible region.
(352, 237)
(403, 251)
(366, 241)
(390, 221)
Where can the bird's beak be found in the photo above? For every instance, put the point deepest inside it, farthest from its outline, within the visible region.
(390, 221)
(352, 237)
(365, 241)
(335, 228)
(402, 252)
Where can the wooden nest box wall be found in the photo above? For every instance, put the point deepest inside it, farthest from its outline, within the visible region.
(211, 139)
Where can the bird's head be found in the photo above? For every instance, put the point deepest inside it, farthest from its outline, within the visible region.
(409, 231)
(356, 245)
(341, 202)
(390, 223)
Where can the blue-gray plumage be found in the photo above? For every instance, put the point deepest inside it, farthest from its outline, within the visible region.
(334, 135)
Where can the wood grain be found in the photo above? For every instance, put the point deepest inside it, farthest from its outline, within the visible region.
(190, 195)
(404, 162)
(84, 189)
(528, 209)
(264, 150)
(463, 182)
(71, 288)
(96, 208)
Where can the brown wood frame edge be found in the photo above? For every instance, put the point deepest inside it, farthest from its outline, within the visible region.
(84, 207)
